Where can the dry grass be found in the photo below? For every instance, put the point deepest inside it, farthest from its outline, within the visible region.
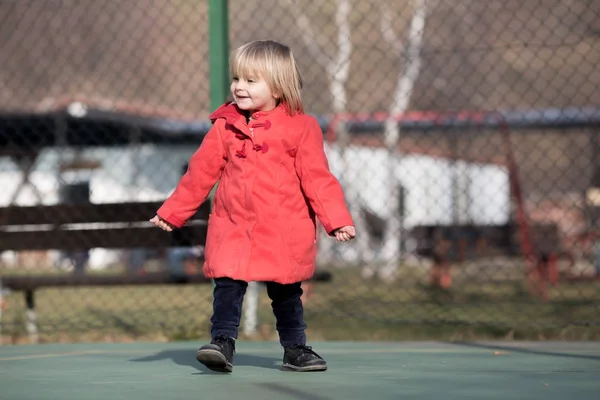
(349, 308)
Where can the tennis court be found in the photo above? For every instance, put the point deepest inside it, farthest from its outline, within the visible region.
(361, 370)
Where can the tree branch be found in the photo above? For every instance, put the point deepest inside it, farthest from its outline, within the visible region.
(307, 34)
(387, 31)
(412, 66)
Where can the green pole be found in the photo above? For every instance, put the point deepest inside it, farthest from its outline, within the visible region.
(218, 37)
(218, 55)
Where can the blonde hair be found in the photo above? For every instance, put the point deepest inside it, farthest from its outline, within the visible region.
(275, 63)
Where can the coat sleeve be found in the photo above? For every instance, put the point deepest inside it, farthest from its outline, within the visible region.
(322, 189)
(204, 169)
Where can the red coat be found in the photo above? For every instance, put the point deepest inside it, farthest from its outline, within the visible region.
(273, 178)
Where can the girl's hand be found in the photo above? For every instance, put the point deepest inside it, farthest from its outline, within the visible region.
(345, 233)
(161, 223)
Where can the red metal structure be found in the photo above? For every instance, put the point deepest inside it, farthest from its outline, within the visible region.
(540, 268)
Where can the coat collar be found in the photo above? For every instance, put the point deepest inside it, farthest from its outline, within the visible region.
(229, 111)
(233, 114)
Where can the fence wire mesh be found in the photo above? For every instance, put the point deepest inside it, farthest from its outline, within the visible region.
(465, 134)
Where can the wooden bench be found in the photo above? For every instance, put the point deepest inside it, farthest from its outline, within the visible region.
(446, 245)
(73, 227)
(79, 227)
(76, 227)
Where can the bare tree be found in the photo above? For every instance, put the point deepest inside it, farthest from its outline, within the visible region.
(407, 77)
(338, 69)
(338, 66)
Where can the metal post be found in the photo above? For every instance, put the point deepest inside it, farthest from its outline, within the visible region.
(218, 33)
(31, 317)
(251, 309)
(218, 50)
(1, 308)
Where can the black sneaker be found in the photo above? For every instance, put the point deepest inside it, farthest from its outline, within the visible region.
(302, 358)
(218, 355)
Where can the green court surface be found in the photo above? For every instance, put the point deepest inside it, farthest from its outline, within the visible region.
(400, 370)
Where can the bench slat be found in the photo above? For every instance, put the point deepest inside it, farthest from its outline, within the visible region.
(150, 237)
(82, 213)
(34, 282)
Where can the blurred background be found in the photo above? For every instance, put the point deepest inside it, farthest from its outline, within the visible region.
(466, 135)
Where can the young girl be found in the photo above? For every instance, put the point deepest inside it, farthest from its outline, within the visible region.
(274, 179)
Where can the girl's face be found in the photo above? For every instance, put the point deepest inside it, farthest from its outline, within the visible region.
(251, 93)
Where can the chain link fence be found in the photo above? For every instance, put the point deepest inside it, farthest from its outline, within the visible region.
(465, 134)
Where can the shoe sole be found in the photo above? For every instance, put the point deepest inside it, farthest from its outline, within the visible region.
(214, 360)
(309, 368)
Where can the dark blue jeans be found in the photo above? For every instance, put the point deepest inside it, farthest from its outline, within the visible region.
(287, 307)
